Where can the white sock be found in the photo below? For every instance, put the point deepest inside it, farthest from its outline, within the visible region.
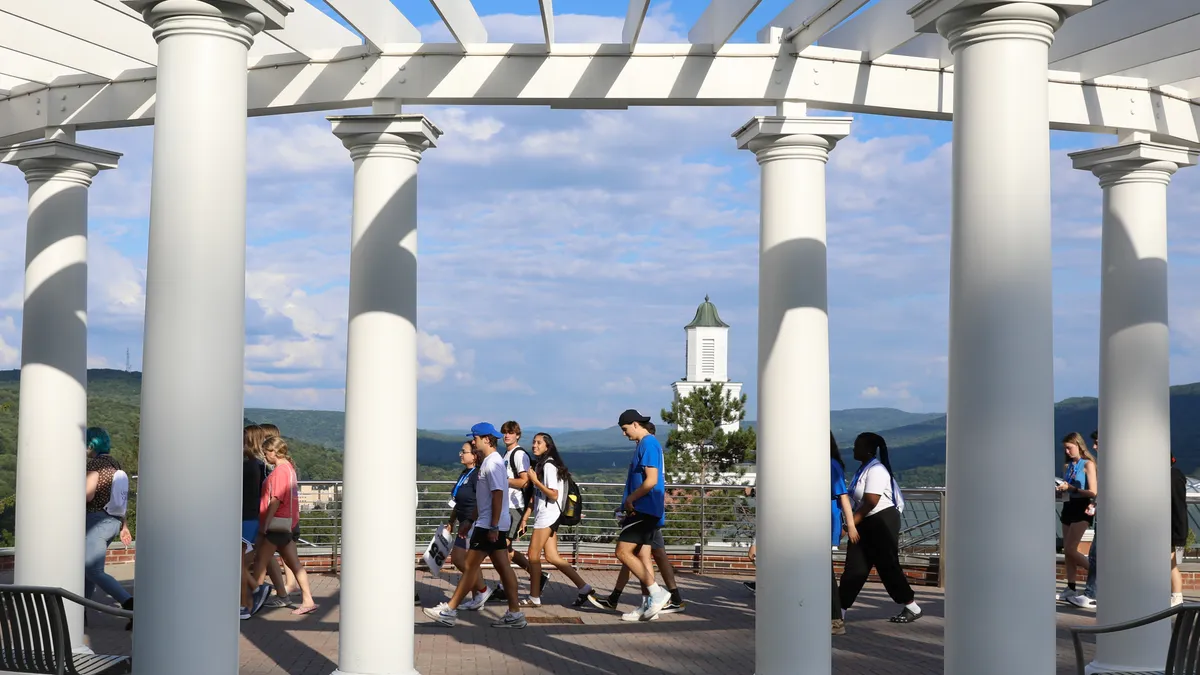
(913, 607)
(654, 589)
(587, 588)
(843, 615)
(1176, 598)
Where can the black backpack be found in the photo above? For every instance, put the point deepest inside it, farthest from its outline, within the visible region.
(572, 506)
(528, 490)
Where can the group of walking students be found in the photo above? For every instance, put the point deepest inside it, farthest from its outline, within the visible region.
(496, 496)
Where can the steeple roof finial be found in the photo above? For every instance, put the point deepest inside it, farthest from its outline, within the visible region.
(706, 316)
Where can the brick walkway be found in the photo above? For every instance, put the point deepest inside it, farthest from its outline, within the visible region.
(714, 635)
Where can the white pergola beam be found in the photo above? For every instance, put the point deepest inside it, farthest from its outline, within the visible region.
(44, 43)
(1171, 40)
(816, 26)
(31, 69)
(379, 21)
(607, 76)
(879, 30)
(720, 20)
(547, 21)
(1114, 21)
(794, 16)
(1168, 71)
(635, 17)
(1190, 87)
(91, 22)
(462, 20)
(309, 31)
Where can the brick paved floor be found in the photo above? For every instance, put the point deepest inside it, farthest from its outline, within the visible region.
(714, 635)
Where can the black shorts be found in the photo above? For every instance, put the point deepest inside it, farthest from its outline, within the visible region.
(1075, 511)
(279, 539)
(481, 542)
(639, 528)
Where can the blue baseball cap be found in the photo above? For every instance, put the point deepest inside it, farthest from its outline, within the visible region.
(484, 429)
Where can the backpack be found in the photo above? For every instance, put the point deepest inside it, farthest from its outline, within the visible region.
(571, 503)
(527, 491)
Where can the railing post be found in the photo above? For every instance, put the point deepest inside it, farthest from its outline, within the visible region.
(336, 546)
(703, 513)
(942, 539)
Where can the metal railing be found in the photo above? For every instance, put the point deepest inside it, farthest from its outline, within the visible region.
(710, 522)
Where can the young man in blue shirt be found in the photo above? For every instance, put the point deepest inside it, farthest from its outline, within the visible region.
(643, 510)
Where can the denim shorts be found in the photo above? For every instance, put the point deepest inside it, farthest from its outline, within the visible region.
(249, 531)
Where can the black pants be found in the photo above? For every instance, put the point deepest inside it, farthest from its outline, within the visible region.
(879, 547)
(836, 609)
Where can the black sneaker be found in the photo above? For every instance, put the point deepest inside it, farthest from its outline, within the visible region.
(673, 606)
(498, 597)
(545, 581)
(584, 599)
(609, 602)
(751, 586)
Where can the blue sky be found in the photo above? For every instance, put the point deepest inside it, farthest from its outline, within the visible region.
(561, 252)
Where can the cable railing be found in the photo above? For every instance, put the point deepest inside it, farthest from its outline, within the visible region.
(709, 523)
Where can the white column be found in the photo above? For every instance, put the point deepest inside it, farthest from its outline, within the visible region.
(1135, 415)
(792, 620)
(189, 497)
(1000, 431)
(376, 629)
(53, 400)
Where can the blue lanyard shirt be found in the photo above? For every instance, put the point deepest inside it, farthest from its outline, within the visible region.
(461, 479)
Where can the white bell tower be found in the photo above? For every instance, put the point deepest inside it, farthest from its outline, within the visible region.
(707, 356)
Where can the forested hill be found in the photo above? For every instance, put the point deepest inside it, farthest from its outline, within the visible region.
(917, 440)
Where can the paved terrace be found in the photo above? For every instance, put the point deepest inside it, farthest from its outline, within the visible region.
(714, 635)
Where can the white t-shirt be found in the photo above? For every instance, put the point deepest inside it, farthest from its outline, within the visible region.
(516, 500)
(492, 477)
(546, 512)
(875, 480)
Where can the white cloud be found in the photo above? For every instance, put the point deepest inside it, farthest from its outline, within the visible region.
(435, 355)
(510, 385)
(871, 392)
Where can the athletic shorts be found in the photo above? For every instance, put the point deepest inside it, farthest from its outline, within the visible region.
(480, 541)
(639, 528)
(657, 544)
(250, 531)
(460, 542)
(279, 539)
(1075, 511)
(515, 525)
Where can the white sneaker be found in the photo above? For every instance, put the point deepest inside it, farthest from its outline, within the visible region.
(511, 620)
(1082, 600)
(1176, 599)
(442, 614)
(657, 602)
(476, 603)
(1065, 595)
(637, 614)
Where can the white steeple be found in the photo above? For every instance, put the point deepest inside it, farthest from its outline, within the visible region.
(707, 355)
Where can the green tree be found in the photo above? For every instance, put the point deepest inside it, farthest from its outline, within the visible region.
(698, 449)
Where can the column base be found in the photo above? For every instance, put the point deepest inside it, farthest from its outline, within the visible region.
(1094, 668)
(409, 671)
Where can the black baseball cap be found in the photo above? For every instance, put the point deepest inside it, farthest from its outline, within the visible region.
(630, 416)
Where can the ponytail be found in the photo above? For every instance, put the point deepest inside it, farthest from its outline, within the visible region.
(649, 426)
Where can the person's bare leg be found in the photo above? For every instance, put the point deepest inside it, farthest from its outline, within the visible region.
(622, 580)
(663, 563)
(1072, 558)
(262, 554)
(247, 560)
(537, 541)
(1176, 576)
(560, 564)
(474, 560)
(645, 554)
(277, 579)
(519, 559)
(628, 556)
(507, 577)
(292, 559)
(290, 582)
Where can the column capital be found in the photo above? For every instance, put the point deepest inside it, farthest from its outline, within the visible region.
(1136, 161)
(405, 135)
(964, 22)
(776, 137)
(54, 159)
(236, 19)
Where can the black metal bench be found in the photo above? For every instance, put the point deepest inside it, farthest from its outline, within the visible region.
(34, 636)
(1183, 654)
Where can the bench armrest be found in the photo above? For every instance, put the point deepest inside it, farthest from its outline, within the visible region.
(1077, 631)
(68, 595)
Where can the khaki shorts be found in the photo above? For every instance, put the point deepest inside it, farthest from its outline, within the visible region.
(516, 515)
